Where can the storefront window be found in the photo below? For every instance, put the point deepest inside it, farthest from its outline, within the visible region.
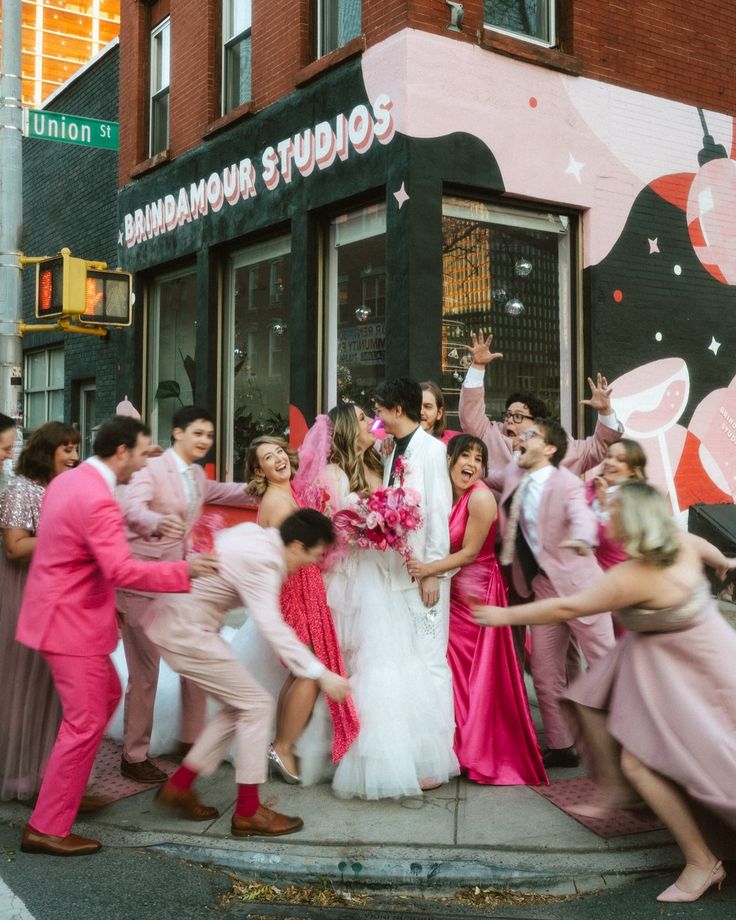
(507, 271)
(356, 305)
(172, 353)
(257, 354)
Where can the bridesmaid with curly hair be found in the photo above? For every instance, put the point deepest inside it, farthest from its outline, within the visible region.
(270, 466)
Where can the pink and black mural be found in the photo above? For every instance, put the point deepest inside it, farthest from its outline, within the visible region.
(655, 183)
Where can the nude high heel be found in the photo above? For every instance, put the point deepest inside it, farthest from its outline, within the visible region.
(675, 895)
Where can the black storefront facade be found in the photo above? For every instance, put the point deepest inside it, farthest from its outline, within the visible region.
(302, 255)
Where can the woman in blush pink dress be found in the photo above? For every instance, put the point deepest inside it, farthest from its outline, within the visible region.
(433, 418)
(495, 741)
(657, 715)
(30, 711)
(269, 468)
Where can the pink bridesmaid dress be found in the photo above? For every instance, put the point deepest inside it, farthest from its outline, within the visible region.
(495, 740)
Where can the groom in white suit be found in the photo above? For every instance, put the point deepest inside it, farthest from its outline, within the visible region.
(398, 404)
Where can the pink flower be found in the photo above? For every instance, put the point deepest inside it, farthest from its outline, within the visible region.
(391, 517)
(372, 520)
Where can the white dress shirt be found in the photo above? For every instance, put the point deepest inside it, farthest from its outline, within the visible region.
(530, 506)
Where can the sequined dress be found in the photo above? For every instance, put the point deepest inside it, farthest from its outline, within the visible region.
(30, 711)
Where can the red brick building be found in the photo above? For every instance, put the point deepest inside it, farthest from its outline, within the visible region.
(321, 193)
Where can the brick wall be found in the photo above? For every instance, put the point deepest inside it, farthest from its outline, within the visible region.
(671, 48)
(69, 194)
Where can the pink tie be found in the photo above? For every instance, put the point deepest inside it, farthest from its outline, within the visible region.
(508, 546)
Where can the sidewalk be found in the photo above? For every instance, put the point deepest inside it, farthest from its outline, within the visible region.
(461, 834)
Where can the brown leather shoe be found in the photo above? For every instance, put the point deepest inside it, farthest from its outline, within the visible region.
(143, 772)
(33, 842)
(265, 823)
(91, 804)
(187, 802)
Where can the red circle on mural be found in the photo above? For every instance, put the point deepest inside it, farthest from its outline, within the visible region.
(618, 296)
(533, 101)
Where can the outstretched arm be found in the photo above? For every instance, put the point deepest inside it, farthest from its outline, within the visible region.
(711, 556)
(622, 586)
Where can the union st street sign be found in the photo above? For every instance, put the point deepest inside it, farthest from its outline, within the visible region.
(70, 129)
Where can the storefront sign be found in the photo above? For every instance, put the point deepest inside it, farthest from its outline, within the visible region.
(302, 153)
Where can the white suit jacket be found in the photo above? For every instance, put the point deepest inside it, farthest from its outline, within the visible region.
(426, 465)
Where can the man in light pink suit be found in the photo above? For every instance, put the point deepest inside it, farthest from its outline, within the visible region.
(549, 531)
(523, 408)
(253, 563)
(68, 614)
(161, 504)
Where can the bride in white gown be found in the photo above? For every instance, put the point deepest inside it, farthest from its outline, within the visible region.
(403, 742)
(401, 745)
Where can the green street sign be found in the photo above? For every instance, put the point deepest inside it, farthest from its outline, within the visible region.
(70, 129)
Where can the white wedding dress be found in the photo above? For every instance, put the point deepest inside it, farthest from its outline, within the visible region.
(403, 741)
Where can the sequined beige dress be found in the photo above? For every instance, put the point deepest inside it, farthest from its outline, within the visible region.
(30, 711)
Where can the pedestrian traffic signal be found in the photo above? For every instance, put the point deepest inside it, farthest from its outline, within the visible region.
(67, 286)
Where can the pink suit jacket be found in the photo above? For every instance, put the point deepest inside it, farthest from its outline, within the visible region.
(580, 457)
(81, 556)
(564, 514)
(157, 491)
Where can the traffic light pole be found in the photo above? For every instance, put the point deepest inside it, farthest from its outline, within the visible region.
(11, 212)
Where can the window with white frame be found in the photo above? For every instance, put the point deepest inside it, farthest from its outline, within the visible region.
(160, 73)
(337, 22)
(236, 59)
(531, 19)
(44, 387)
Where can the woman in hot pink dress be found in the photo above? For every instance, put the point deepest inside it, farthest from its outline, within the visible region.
(495, 741)
(270, 467)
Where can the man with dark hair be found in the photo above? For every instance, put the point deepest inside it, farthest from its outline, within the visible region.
(186, 631)
(68, 614)
(423, 467)
(161, 505)
(548, 532)
(523, 408)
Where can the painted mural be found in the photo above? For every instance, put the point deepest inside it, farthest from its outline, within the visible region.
(655, 181)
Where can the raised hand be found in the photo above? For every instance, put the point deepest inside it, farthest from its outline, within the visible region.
(480, 349)
(600, 396)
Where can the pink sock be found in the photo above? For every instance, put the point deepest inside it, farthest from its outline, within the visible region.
(183, 778)
(248, 800)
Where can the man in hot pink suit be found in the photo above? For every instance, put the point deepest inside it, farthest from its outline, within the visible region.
(68, 614)
(548, 534)
(161, 504)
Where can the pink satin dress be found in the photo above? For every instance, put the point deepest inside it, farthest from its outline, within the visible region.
(495, 740)
(304, 608)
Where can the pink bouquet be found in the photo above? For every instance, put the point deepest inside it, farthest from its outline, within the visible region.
(382, 520)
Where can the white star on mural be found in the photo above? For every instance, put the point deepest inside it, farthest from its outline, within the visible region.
(574, 168)
(401, 196)
(120, 237)
(714, 346)
(653, 245)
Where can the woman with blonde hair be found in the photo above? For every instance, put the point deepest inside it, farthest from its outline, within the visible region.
(658, 715)
(270, 467)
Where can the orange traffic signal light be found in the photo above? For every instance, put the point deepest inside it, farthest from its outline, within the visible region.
(67, 286)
